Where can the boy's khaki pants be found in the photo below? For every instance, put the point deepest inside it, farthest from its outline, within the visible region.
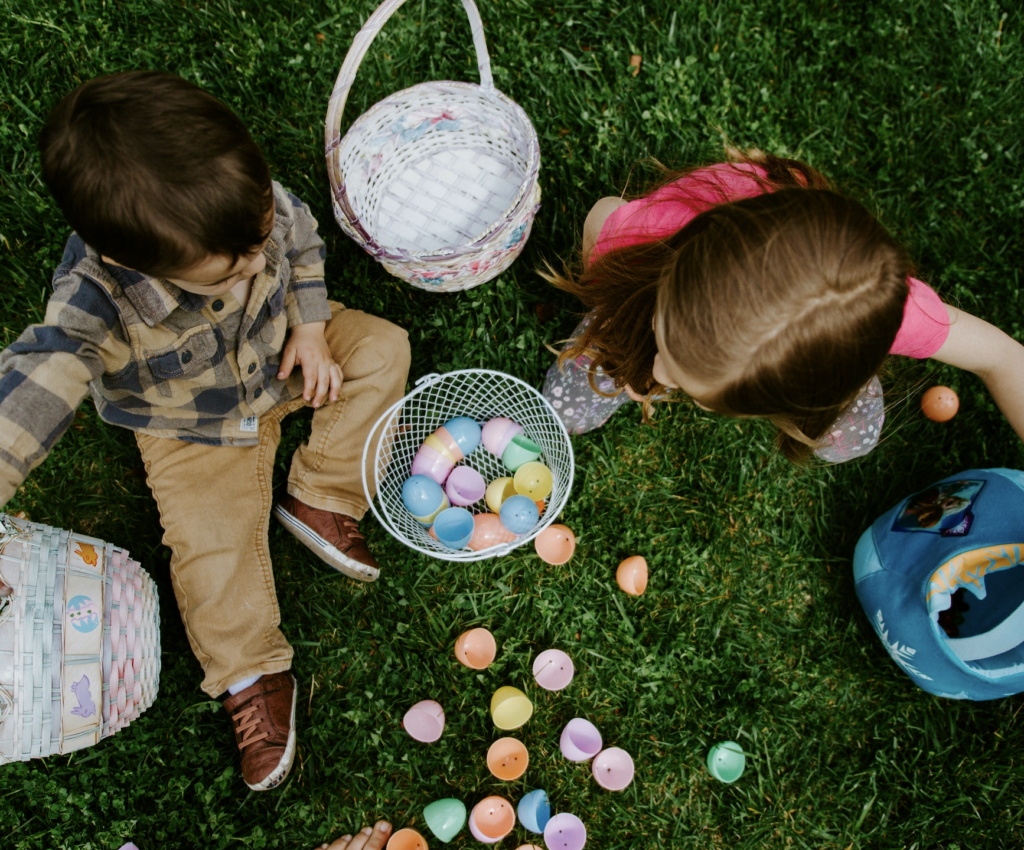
(215, 502)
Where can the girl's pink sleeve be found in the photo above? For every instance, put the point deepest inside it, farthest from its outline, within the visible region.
(925, 323)
(668, 209)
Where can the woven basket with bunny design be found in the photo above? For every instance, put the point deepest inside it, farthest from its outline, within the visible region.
(439, 181)
(79, 640)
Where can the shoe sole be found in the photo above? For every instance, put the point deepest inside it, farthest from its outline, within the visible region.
(284, 766)
(323, 550)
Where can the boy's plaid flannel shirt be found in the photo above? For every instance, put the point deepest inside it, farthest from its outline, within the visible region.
(159, 360)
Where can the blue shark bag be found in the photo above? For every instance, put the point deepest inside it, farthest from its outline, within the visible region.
(941, 579)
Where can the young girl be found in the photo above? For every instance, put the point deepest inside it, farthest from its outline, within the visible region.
(756, 290)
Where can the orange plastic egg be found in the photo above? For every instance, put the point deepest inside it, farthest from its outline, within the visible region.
(940, 404)
(488, 531)
(494, 817)
(407, 839)
(476, 649)
(632, 575)
(555, 544)
(507, 759)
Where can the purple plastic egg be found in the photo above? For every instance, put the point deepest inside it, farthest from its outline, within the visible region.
(498, 433)
(465, 486)
(432, 464)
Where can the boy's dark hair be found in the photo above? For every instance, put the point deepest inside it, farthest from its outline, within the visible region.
(155, 173)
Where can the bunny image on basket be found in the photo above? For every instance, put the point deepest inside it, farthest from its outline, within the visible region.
(438, 181)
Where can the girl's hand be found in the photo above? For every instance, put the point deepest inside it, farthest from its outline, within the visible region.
(307, 348)
(633, 394)
(365, 839)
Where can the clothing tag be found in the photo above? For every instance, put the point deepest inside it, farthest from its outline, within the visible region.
(251, 424)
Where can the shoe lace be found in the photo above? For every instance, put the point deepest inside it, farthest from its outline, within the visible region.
(352, 528)
(245, 721)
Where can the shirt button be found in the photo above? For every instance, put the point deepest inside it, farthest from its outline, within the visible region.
(258, 392)
(252, 368)
(186, 356)
(218, 305)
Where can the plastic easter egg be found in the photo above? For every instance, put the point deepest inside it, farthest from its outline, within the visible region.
(423, 498)
(454, 527)
(465, 432)
(726, 761)
(521, 450)
(510, 708)
(498, 432)
(555, 544)
(476, 649)
(498, 491)
(465, 486)
(429, 520)
(534, 811)
(632, 575)
(449, 443)
(445, 818)
(424, 721)
(432, 464)
(487, 532)
(433, 442)
(541, 506)
(553, 670)
(613, 769)
(407, 839)
(507, 759)
(580, 740)
(494, 817)
(534, 480)
(565, 832)
(477, 834)
(940, 404)
(519, 515)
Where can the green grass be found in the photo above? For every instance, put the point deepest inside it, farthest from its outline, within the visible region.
(750, 629)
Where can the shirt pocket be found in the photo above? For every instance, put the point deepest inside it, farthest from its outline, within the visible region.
(191, 355)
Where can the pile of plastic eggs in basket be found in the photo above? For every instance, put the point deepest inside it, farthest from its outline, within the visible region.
(439, 490)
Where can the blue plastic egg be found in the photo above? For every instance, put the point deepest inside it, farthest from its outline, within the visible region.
(422, 496)
(465, 432)
(454, 527)
(519, 514)
(535, 811)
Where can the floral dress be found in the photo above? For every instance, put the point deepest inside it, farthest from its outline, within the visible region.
(854, 433)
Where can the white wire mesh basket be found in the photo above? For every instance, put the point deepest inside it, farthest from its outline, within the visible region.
(479, 394)
(79, 640)
(438, 181)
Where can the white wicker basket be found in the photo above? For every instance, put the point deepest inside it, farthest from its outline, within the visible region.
(79, 640)
(479, 394)
(439, 181)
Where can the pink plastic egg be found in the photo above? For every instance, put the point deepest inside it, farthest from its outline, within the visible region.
(498, 433)
(432, 464)
(465, 486)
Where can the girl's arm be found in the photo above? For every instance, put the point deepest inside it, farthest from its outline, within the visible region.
(975, 345)
(595, 221)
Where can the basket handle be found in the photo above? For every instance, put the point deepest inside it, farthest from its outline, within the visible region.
(361, 43)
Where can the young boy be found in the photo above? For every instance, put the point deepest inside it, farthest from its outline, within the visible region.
(189, 292)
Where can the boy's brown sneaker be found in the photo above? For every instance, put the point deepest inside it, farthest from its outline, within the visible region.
(264, 718)
(333, 538)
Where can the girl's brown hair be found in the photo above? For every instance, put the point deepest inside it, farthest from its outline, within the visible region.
(787, 302)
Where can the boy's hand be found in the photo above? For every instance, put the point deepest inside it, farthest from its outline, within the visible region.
(365, 839)
(307, 348)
